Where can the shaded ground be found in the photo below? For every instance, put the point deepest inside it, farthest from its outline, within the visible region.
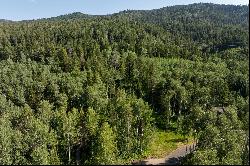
(172, 159)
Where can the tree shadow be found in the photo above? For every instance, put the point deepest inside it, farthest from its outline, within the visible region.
(141, 162)
(169, 161)
(172, 161)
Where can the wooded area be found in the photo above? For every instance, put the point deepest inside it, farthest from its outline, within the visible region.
(81, 89)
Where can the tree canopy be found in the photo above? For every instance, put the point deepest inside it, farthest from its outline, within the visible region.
(81, 89)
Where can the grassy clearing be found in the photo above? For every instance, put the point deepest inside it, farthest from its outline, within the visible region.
(163, 143)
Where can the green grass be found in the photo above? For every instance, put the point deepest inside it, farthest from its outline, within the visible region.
(163, 143)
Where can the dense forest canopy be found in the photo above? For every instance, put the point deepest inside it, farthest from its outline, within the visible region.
(81, 89)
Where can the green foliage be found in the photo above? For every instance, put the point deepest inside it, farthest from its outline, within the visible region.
(5, 144)
(79, 89)
(105, 149)
(221, 141)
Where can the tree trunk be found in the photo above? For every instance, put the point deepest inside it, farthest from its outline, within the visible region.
(78, 154)
(69, 150)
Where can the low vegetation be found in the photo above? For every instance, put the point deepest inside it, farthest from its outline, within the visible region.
(80, 89)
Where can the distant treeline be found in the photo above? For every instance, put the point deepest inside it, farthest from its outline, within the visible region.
(80, 89)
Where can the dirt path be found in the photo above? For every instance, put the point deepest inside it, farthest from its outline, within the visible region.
(172, 159)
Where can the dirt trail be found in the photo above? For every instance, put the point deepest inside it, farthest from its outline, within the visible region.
(172, 159)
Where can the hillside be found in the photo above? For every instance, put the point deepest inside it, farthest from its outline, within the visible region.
(4, 20)
(201, 22)
(85, 89)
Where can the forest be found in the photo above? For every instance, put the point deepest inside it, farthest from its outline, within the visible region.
(92, 89)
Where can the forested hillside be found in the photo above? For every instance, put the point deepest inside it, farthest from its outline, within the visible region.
(82, 89)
